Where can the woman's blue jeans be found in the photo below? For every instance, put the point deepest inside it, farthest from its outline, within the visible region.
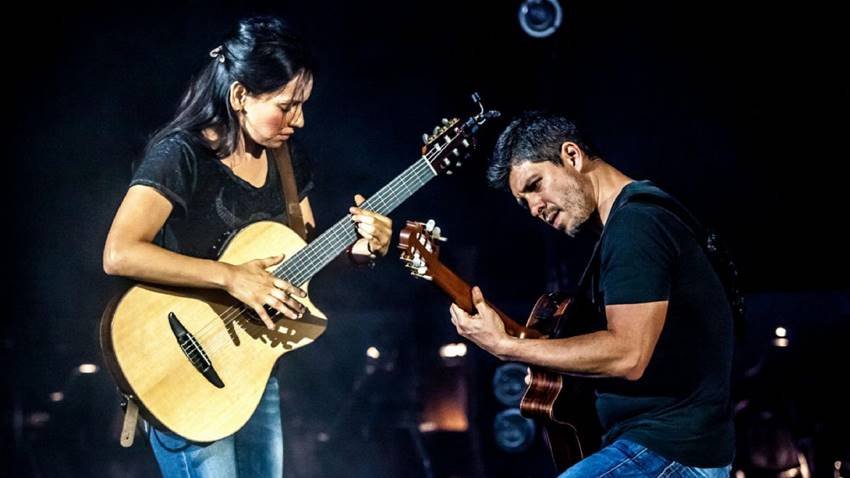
(256, 450)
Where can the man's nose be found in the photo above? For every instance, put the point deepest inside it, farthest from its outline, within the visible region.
(536, 206)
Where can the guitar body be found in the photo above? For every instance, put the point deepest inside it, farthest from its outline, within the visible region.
(139, 338)
(562, 404)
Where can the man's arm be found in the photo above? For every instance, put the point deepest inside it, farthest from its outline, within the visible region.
(623, 350)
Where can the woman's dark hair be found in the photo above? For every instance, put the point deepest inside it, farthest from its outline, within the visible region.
(262, 54)
(533, 136)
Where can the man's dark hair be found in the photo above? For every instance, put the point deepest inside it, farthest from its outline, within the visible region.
(533, 136)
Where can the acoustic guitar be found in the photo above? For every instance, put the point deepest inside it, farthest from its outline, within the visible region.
(562, 404)
(196, 361)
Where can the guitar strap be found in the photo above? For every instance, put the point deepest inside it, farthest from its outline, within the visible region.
(282, 158)
(128, 429)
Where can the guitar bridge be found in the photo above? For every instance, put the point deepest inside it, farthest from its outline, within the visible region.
(193, 351)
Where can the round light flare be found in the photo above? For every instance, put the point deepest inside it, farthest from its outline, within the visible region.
(373, 353)
(540, 18)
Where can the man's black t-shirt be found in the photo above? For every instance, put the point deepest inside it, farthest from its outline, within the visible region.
(680, 407)
(209, 200)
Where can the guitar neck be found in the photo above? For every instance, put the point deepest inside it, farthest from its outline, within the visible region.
(304, 264)
(461, 294)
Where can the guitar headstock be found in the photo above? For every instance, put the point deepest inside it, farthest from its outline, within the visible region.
(418, 242)
(451, 142)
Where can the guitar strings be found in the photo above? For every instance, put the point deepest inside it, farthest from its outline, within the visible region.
(301, 261)
(331, 240)
(304, 264)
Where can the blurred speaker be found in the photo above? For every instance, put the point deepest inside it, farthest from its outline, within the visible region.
(513, 432)
(509, 383)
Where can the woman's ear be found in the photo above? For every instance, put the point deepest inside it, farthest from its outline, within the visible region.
(238, 92)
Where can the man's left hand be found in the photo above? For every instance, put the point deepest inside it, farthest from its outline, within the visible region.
(485, 328)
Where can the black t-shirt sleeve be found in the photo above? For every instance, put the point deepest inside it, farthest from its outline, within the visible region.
(638, 256)
(169, 167)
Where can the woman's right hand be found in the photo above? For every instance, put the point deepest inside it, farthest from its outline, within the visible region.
(254, 286)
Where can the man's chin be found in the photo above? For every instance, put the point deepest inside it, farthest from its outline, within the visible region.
(573, 229)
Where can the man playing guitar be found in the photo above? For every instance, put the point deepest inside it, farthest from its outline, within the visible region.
(664, 356)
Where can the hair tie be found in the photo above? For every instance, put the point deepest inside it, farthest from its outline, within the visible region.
(217, 54)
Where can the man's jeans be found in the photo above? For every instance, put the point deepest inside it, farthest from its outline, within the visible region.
(627, 459)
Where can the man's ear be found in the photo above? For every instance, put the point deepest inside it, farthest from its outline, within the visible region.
(238, 93)
(572, 155)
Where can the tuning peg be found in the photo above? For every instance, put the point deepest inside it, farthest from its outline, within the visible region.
(437, 235)
(465, 143)
(445, 122)
(436, 129)
(425, 138)
(421, 276)
(456, 152)
(429, 226)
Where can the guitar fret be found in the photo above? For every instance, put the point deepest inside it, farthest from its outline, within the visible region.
(304, 264)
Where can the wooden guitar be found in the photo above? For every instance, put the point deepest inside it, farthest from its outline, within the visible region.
(562, 404)
(196, 361)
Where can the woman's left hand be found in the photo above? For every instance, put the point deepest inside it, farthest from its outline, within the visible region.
(375, 230)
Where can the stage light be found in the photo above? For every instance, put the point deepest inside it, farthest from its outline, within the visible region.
(781, 332)
(426, 427)
(57, 396)
(87, 368)
(453, 350)
(509, 383)
(512, 431)
(540, 18)
(373, 353)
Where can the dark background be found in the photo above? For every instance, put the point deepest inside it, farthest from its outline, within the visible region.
(738, 111)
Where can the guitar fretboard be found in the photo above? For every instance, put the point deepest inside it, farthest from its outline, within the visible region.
(301, 267)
